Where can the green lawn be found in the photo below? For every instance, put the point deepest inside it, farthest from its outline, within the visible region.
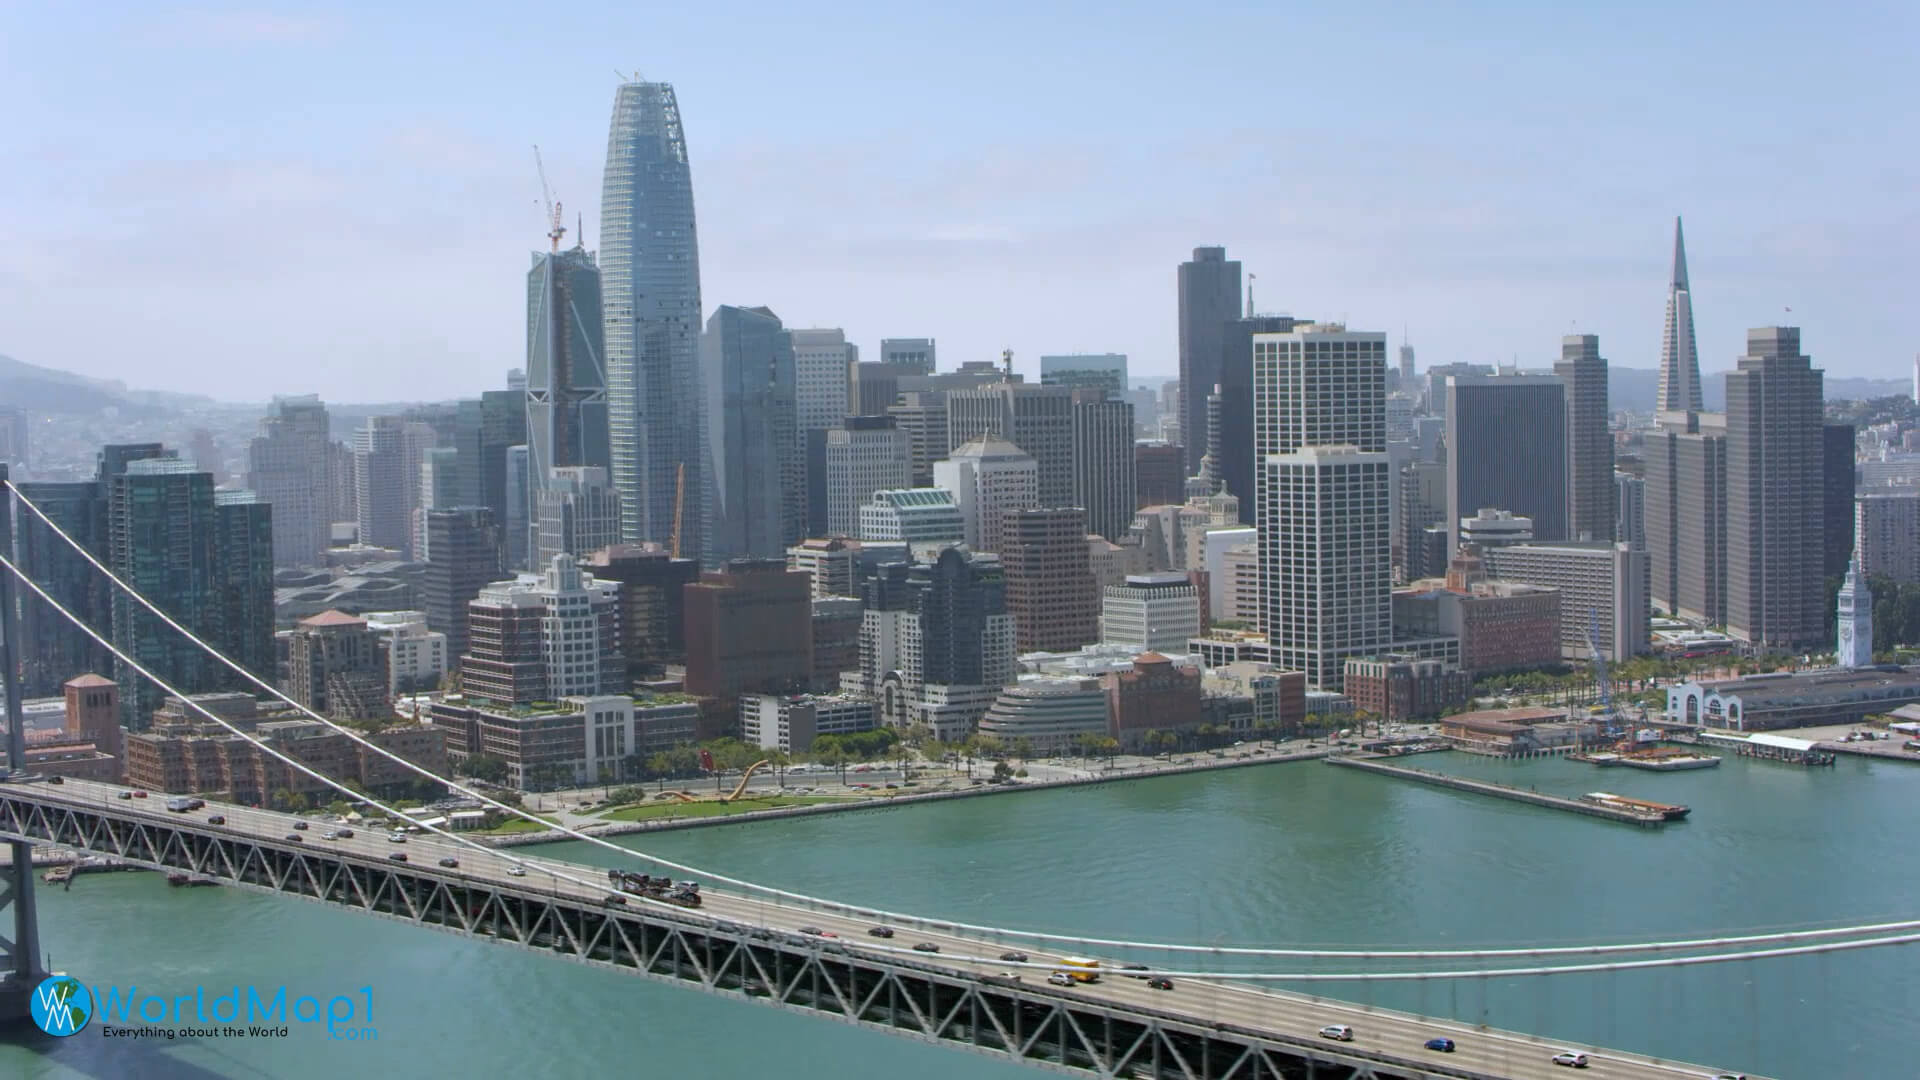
(517, 825)
(674, 808)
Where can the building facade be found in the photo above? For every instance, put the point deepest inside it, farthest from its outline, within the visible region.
(577, 513)
(1037, 419)
(757, 484)
(1209, 299)
(1776, 540)
(336, 666)
(990, 478)
(1679, 387)
(1103, 462)
(1049, 583)
(1590, 489)
(862, 455)
(1507, 446)
(1603, 584)
(749, 630)
(565, 400)
(1401, 689)
(289, 468)
(464, 548)
(1151, 613)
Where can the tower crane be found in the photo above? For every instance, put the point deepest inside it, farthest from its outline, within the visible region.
(555, 230)
(679, 504)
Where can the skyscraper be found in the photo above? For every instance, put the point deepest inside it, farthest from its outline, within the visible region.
(1837, 497)
(577, 514)
(823, 362)
(917, 353)
(1209, 299)
(757, 480)
(52, 650)
(990, 478)
(1590, 488)
(1050, 588)
(1679, 389)
(860, 455)
(1234, 464)
(1776, 541)
(650, 269)
(1101, 371)
(1507, 448)
(1103, 469)
(287, 466)
(502, 425)
(463, 557)
(566, 396)
(335, 666)
(1685, 515)
(382, 489)
(1037, 419)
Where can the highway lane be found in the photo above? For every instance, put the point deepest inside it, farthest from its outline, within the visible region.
(1202, 1001)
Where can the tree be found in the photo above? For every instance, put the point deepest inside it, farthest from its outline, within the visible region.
(484, 767)
(1023, 749)
(1002, 772)
(833, 756)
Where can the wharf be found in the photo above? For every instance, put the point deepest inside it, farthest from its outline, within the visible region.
(1482, 787)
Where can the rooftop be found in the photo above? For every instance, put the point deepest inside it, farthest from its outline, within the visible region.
(1831, 687)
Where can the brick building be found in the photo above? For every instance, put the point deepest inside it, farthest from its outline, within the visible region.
(1156, 694)
(749, 631)
(1402, 688)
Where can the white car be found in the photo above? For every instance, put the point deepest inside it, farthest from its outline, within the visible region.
(1060, 978)
(517, 871)
(1337, 1031)
(1570, 1059)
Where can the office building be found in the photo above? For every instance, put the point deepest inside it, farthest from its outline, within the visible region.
(287, 467)
(1401, 689)
(1151, 613)
(1086, 371)
(936, 641)
(922, 414)
(1679, 387)
(1159, 471)
(518, 541)
(1233, 460)
(579, 513)
(565, 400)
(836, 639)
(790, 722)
(499, 425)
(1437, 377)
(1502, 625)
(1583, 373)
(916, 353)
(650, 271)
(859, 456)
(749, 631)
(242, 580)
(1837, 496)
(383, 490)
(1422, 495)
(465, 556)
(1209, 300)
(1050, 591)
(758, 479)
(1155, 694)
(1887, 524)
(1630, 508)
(1110, 563)
(1238, 582)
(336, 666)
(1507, 447)
(440, 488)
(829, 564)
(1776, 542)
(542, 637)
(990, 478)
(823, 363)
(1686, 515)
(1599, 583)
(414, 657)
(51, 649)
(928, 515)
(652, 604)
(1493, 527)
(1037, 419)
(1103, 463)
(1047, 714)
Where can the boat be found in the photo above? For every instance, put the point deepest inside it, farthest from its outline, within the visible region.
(1668, 759)
(1663, 811)
(179, 880)
(58, 874)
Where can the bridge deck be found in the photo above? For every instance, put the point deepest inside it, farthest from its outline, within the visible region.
(1119, 1027)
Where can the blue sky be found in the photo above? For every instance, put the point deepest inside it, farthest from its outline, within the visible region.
(256, 199)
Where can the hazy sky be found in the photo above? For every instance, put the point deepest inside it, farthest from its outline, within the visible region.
(244, 200)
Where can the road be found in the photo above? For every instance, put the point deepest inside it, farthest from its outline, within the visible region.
(1503, 1053)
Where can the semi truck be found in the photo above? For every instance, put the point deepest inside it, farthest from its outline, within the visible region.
(685, 894)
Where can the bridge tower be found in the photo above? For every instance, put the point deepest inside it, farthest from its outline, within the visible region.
(20, 965)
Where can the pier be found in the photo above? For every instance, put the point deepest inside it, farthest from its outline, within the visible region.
(1501, 791)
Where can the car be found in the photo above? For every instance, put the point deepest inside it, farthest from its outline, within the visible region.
(1442, 1044)
(55, 779)
(300, 825)
(139, 794)
(1728, 1076)
(1340, 1032)
(813, 930)
(516, 871)
(614, 900)
(1160, 983)
(1009, 976)
(1014, 957)
(1132, 970)
(294, 836)
(397, 856)
(449, 862)
(344, 834)
(1571, 1059)
(330, 834)
(217, 819)
(396, 838)
(926, 946)
(880, 932)
(1060, 978)
(126, 794)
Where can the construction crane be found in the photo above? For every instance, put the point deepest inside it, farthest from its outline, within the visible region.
(1600, 677)
(679, 504)
(555, 230)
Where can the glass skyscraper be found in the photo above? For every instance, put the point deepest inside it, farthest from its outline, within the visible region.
(566, 364)
(650, 270)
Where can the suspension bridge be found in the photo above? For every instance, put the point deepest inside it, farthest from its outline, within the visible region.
(982, 988)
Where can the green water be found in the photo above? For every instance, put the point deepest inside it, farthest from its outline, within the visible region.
(1298, 853)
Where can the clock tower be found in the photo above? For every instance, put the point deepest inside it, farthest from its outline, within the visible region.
(1855, 616)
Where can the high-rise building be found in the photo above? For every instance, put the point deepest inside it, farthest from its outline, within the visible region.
(1085, 371)
(287, 467)
(1507, 447)
(441, 484)
(1151, 613)
(1853, 612)
(1209, 300)
(990, 478)
(1583, 373)
(1407, 374)
(1037, 419)
(928, 515)
(243, 597)
(382, 489)
(1599, 583)
(1159, 474)
(823, 363)
(859, 456)
(1423, 505)
(1836, 497)
(757, 478)
(517, 544)
(1630, 509)
(1050, 589)
(828, 563)
(1686, 515)
(652, 604)
(922, 414)
(650, 271)
(1103, 462)
(579, 513)
(415, 657)
(566, 394)
(1776, 542)
(543, 637)
(51, 649)
(501, 424)
(1234, 462)
(1679, 389)
(1326, 567)
(957, 650)
(14, 443)
(1887, 527)
(749, 631)
(463, 547)
(336, 666)
(917, 353)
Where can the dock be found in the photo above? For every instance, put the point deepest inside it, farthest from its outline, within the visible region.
(1501, 791)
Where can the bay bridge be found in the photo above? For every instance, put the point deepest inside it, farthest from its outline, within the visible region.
(981, 988)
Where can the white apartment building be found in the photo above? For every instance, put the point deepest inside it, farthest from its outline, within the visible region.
(416, 656)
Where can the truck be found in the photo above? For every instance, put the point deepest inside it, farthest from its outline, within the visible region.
(181, 804)
(1080, 969)
(685, 894)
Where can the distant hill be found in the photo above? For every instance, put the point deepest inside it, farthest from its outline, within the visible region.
(1634, 389)
(51, 392)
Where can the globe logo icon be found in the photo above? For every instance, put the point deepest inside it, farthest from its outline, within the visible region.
(61, 1005)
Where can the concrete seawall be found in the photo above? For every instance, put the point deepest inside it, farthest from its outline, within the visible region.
(1482, 787)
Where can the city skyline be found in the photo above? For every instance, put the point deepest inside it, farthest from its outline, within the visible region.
(971, 221)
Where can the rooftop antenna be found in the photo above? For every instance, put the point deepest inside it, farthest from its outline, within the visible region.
(580, 231)
(1006, 362)
(555, 230)
(1251, 311)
